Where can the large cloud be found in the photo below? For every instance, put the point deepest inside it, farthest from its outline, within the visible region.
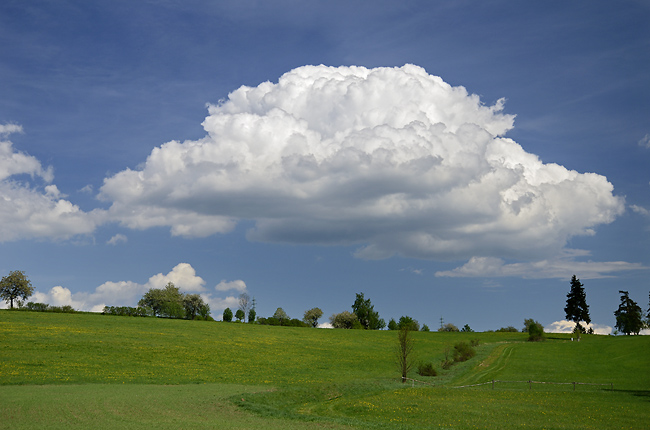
(28, 212)
(392, 159)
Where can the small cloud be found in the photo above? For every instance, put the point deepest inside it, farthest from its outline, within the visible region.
(117, 239)
(645, 141)
(88, 189)
(565, 326)
(412, 270)
(237, 285)
(182, 275)
(7, 129)
(640, 210)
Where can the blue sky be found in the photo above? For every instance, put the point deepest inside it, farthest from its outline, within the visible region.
(454, 160)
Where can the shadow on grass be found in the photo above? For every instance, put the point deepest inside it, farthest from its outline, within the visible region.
(637, 393)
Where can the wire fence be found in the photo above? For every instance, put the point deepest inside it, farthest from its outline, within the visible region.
(529, 382)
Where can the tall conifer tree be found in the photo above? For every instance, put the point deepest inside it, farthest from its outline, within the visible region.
(576, 305)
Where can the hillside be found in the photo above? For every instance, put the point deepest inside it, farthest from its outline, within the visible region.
(336, 377)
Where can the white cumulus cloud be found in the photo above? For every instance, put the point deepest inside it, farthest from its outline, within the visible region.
(564, 326)
(237, 285)
(394, 160)
(28, 212)
(127, 293)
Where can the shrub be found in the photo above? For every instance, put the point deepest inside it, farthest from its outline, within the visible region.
(474, 342)
(446, 364)
(535, 332)
(408, 323)
(509, 329)
(344, 320)
(425, 327)
(392, 325)
(448, 327)
(427, 369)
(466, 328)
(463, 352)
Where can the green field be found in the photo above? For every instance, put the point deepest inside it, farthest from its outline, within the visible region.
(84, 370)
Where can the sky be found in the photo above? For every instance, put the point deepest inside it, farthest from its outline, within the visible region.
(456, 161)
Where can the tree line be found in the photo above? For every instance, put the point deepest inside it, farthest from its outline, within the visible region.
(169, 302)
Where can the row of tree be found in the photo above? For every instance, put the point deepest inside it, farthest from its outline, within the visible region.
(169, 302)
(629, 315)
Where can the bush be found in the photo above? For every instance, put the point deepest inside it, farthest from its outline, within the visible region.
(408, 323)
(427, 369)
(509, 329)
(448, 327)
(345, 320)
(447, 363)
(474, 342)
(463, 352)
(535, 332)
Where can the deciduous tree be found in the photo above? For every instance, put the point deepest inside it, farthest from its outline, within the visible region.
(166, 302)
(576, 308)
(346, 320)
(408, 323)
(15, 286)
(280, 314)
(245, 304)
(629, 316)
(193, 304)
(311, 316)
(404, 354)
(227, 315)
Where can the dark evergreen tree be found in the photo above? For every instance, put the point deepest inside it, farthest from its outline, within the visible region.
(576, 308)
(227, 315)
(629, 315)
(368, 317)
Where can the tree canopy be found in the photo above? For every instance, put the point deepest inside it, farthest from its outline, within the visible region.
(576, 308)
(164, 302)
(346, 320)
(629, 316)
(14, 286)
(311, 316)
(365, 312)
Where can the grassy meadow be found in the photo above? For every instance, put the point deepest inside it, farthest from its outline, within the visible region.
(85, 370)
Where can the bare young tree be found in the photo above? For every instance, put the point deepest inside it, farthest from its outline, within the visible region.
(404, 356)
(245, 303)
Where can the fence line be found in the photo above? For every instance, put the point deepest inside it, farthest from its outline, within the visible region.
(531, 382)
(413, 381)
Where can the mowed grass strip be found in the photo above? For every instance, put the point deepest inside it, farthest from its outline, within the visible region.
(197, 406)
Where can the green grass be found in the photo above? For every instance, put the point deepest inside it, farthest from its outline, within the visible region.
(76, 370)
